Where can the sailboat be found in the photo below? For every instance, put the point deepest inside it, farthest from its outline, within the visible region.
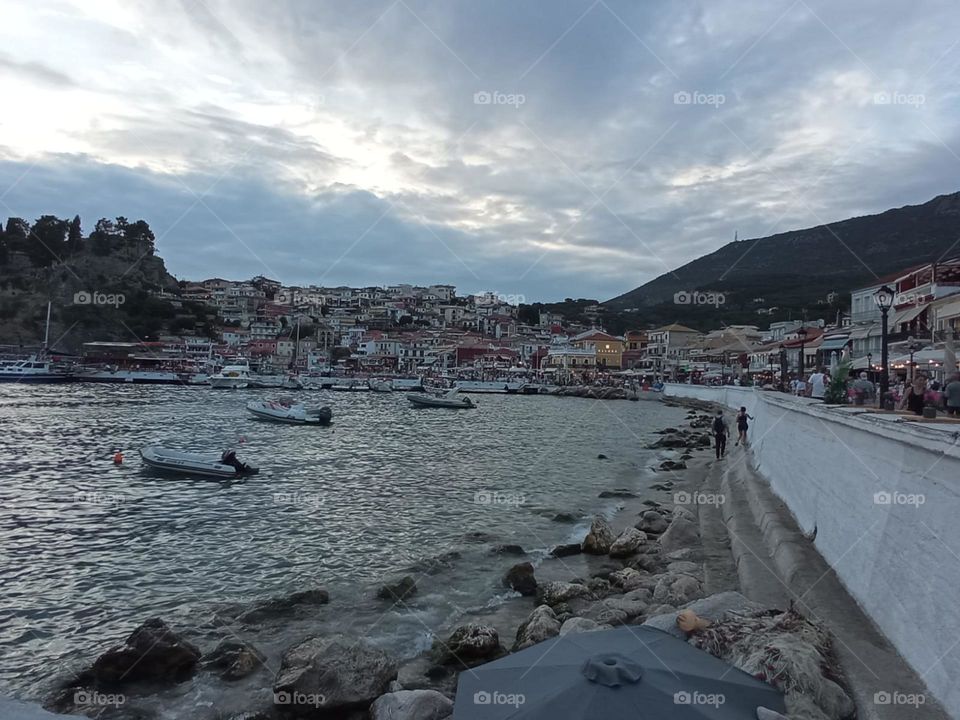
(292, 381)
(37, 368)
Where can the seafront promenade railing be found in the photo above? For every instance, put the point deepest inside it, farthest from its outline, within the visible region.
(882, 494)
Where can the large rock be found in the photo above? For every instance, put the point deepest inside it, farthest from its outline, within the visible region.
(540, 625)
(281, 606)
(399, 590)
(469, 644)
(566, 550)
(556, 591)
(686, 567)
(516, 550)
(234, 660)
(411, 705)
(581, 625)
(152, 653)
(677, 589)
(628, 543)
(632, 607)
(521, 578)
(681, 533)
(628, 578)
(327, 675)
(652, 522)
(600, 537)
(714, 608)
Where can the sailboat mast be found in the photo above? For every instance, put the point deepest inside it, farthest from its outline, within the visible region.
(46, 335)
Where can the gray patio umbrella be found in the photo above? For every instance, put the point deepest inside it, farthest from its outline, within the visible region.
(635, 673)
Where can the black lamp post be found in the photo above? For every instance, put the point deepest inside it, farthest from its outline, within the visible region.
(884, 299)
(802, 333)
(783, 368)
(912, 346)
(869, 362)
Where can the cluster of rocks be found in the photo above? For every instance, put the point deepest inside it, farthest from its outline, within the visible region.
(595, 392)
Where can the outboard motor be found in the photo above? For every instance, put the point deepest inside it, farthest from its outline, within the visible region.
(229, 457)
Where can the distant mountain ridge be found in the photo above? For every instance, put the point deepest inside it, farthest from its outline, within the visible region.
(795, 270)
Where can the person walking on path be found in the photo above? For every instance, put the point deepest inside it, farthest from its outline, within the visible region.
(818, 384)
(742, 426)
(952, 394)
(720, 432)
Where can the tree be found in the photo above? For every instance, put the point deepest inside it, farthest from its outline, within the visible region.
(17, 234)
(74, 236)
(104, 237)
(139, 233)
(47, 240)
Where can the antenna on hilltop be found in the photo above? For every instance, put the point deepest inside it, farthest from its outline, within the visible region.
(735, 234)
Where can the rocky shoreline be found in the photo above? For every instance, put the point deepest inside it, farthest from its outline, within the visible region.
(638, 567)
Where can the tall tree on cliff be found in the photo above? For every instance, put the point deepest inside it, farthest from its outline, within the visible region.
(104, 237)
(48, 239)
(139, 233)
(74, 236)
(18, 230)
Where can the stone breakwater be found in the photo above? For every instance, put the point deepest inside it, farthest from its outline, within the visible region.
(598, 392)
(639, 567)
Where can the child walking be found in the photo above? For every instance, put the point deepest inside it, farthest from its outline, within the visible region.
(743, 425)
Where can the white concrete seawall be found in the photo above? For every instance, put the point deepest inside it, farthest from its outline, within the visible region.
(884, 499)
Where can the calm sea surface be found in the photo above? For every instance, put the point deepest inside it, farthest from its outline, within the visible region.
(88, 549)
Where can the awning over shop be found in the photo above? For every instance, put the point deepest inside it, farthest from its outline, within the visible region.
(835, 343)
(908, 315)
(865, 331)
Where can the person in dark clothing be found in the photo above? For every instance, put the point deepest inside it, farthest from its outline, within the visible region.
(742, 426)
(913, 398)
(720, 432)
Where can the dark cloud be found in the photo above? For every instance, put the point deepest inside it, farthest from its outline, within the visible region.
(621, 139)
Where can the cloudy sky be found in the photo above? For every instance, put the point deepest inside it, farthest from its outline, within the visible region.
(543, 149)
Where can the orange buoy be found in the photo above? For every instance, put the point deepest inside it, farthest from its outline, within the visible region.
(118, 458)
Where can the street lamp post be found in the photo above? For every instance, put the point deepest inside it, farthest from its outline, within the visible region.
(912, 346)
(884, 299)
(783, 368)
(869, 362)
(802, 333)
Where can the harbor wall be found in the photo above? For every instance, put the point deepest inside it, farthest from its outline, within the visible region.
(884, 500)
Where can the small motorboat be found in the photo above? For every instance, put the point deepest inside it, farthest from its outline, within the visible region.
(451, 399)
(222, 465)
(381, 385)
(290, 412)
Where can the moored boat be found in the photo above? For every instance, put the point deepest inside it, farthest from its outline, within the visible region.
(232, 377)
(290, 412)
(222, 465)
(380, 385)
(135, 377)
(448, 400)
(33, 369)
(489, 386)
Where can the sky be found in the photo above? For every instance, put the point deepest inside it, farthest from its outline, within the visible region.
(540, 149)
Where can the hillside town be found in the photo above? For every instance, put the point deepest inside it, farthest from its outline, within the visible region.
(415, 330)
